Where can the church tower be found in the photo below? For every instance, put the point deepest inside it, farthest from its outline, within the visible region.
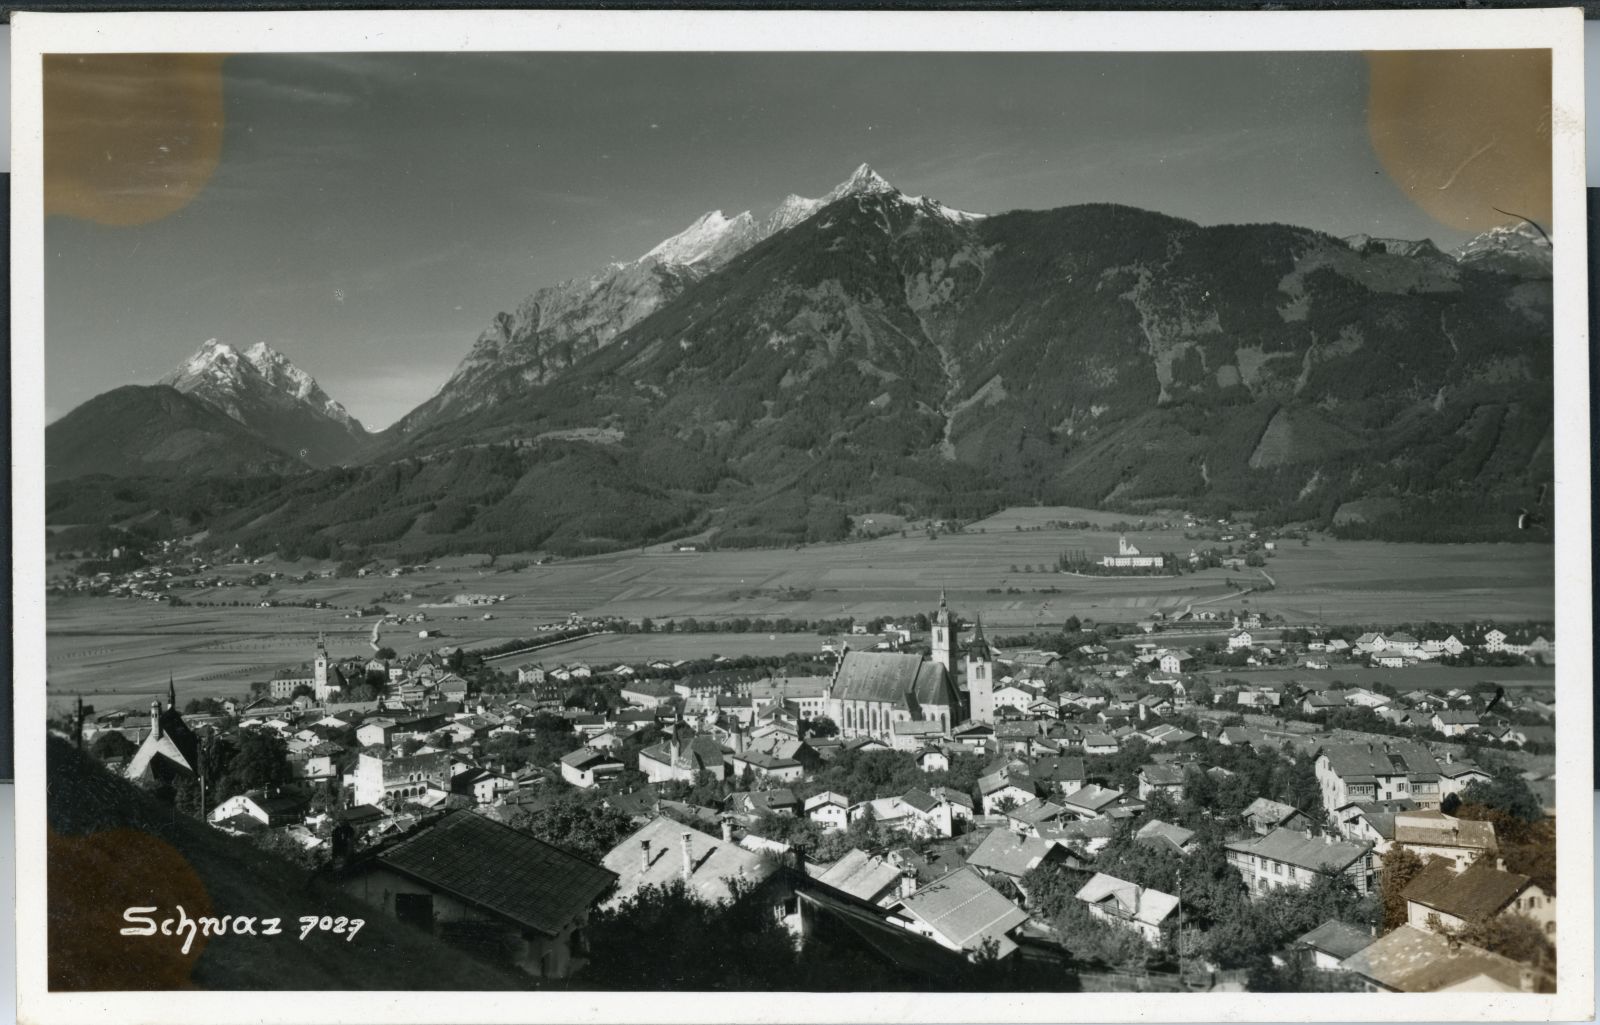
(319, 670)
(944, 636)
(979, 666)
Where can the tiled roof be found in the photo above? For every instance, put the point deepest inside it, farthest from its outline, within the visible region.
(1435, 828)
(1337, 939)
(1165, 832)
(1411, 960)
(861, 875)
(500, 869)
(891, 677)
(1162, 775)
(1004, 851)
(1268, 810)
(1130, 900)
(1477, 893)
(1092, 797)
(1036, 811)
(1317, 853)
(711, 861)
(965, 910)
(1366, 762)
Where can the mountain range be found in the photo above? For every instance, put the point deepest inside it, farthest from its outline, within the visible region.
(766, 378)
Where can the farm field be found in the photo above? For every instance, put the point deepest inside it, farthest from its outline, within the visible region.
(104, 647)
(642, 647)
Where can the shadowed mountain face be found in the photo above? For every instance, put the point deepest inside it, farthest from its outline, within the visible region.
(155, 431)
(884, 352)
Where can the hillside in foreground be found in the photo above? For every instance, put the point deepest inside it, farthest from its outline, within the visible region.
(113, 847)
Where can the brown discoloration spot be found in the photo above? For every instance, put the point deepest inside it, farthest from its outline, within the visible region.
(129, 138)
(92, 879)
(1462, 133)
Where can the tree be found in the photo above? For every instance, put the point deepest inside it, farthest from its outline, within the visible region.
(1509, 793)
(576, 820)
(304, 690)
(260, 761)
(821, 727)
(1516, 936)
(384, 653)
(1398, 867)
(112, 745)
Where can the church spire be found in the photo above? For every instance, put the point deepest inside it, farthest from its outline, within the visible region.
(172, 692)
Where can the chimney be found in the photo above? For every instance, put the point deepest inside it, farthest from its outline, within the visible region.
(1454, 942)
(688, 855)
(674, 748)
(1500, 863)
(908, 883)
(155, 718)
(1525, 980)
(644, 855)
(727, 831)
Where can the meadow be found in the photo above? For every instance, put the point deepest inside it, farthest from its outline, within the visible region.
(123, 650)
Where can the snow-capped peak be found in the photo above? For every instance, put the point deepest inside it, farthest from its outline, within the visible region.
(863, 181)
(709, 237)
(225, 377)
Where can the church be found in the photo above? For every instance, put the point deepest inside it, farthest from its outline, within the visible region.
(870, 691)
(169, 750)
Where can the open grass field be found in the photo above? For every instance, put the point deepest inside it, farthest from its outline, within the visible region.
(1426, 677)
(104, 647)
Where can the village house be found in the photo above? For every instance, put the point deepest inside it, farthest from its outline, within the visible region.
(1264, 815)
(485, 886)
(1330, 943)
(1285, 858)
(1412, 960)
(683, 759)
(269, 810)
(1356, 773)
(961, 912)
(1433, 834)
(1091, 801)
(1166, 836)
(1004, 853)
(1119, 902)
(828, 809)
(1162, 779)
(664, 851)
(1442, 899)
(589, 767)
(1454, 723)
(1240, 640)
(379, 780)
(868, 877)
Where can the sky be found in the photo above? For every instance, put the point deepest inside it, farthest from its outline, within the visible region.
(369, 214)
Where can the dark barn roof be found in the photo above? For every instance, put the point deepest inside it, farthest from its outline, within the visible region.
(501, 870)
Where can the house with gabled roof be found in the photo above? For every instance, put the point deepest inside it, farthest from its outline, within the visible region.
(1264, 815)
(1027, 818)
(664, 851)
(1330, 943)
(1288, 859)
(1091, 801)
(1005, 853)
(485, 886)
(1412, 960)
(1355, 773)
(1441, 899)
(962, 912)
(869, 877)
(1164, 779)
(1432, 834)
(1166, 836)
(1144, 910)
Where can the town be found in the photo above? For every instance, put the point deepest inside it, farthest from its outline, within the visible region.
(921, 805)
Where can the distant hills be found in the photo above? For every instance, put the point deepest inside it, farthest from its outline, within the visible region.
(873, 351)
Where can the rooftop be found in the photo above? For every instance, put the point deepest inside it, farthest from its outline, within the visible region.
(500, 869)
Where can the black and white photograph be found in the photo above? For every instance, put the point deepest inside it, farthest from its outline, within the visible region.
(1011, 517)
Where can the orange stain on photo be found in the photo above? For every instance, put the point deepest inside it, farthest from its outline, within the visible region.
(1465, 135)
(129, 138)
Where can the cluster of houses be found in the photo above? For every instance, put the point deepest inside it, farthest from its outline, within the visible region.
(418, 828)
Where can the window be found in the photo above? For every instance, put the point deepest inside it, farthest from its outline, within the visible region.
(414, 909)
(1277, 868)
